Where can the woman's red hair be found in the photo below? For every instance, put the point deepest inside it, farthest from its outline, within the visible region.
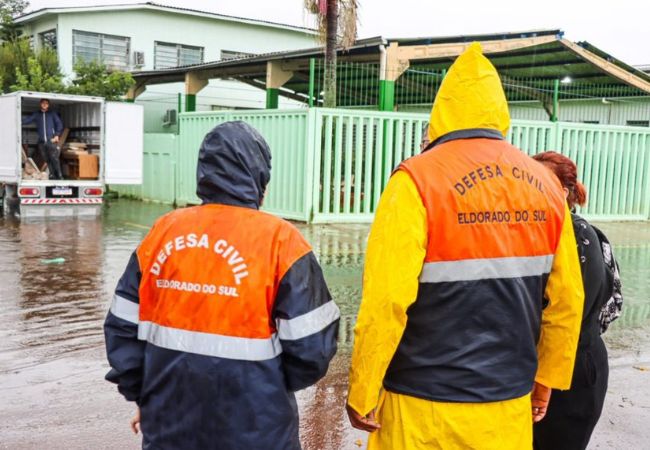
(567, 172)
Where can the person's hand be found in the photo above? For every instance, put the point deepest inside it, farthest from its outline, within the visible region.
(367, 423)
(55, 139)
(135, 421)
(540, 397)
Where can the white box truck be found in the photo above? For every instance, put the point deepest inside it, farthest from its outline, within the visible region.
(107, 135)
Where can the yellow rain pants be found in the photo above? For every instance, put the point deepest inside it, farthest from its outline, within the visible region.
(410, 423)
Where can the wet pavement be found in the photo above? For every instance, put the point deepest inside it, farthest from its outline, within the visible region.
(52, 362)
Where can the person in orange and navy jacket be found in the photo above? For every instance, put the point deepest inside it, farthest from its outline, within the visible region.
(222, 313)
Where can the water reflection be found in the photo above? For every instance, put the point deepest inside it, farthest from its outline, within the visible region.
(51, 309)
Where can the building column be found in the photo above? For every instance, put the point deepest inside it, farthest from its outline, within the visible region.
(276, 77)
(193, 84)
(135, 91)
(393, 68)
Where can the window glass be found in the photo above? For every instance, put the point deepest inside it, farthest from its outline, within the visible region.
(113, 51)
(174, 55)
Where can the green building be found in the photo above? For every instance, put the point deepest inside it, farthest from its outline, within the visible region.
(149, 36)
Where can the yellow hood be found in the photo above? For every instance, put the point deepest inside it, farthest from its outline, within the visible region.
(471, 96)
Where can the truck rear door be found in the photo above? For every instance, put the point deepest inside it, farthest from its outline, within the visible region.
(123, 143)
(10, 138)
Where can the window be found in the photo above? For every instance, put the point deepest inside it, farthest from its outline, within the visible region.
(174, 55)
(229, 54)
(113, 51)
(592, 122)
(48, 39)
(638, 123)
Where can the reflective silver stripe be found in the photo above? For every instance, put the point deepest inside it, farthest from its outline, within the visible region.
(125, 309)
(209, 344)
(309, 323)
(488, 268)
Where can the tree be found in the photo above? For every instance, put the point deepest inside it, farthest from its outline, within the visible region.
(14, 56)
(9, 9)
(92, 78)
(37, 79)
(22, 68)
(335, 18)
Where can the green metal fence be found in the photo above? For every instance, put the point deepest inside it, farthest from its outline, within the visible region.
(331, 165)
(288, 133)
(357, 151)
(612, 163)
(159, 178)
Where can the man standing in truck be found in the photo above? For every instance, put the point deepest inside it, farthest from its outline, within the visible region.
(49, 127)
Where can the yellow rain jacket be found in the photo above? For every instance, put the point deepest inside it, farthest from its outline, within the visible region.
(406, 258)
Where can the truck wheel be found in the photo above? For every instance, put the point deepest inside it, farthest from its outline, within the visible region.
(11, 201)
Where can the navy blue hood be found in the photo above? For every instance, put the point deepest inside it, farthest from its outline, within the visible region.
(234, 166)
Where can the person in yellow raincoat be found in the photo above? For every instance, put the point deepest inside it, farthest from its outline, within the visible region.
(472, 295)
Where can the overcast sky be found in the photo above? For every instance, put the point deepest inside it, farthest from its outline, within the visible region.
(622, 29)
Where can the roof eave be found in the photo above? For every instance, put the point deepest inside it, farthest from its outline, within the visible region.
(34, 15)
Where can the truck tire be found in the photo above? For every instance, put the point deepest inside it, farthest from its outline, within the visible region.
(11, 202)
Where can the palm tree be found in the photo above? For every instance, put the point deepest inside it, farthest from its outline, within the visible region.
(330, 28)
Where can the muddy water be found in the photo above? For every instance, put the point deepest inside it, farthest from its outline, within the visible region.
(51, 346)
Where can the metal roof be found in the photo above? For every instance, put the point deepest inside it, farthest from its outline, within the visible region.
(30, 16)
(539, 55)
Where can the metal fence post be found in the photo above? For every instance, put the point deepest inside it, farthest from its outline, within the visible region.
(312, 79)
(312, 166)
(556, 100)
(315, 149)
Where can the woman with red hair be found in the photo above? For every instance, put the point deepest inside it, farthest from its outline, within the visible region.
(573, 414)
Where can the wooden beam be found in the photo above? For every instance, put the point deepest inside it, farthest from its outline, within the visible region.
(608, 67)
(158, 79)
(194, 83)
(136, 90)
(396, 63)
(433, 51)
(276, 75)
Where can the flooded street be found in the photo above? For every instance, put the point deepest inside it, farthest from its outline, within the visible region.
(52, 362)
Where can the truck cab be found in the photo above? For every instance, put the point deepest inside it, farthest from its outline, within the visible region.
(101, 143)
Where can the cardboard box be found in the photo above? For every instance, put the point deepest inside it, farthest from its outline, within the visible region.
(88, 166)
(82, 166)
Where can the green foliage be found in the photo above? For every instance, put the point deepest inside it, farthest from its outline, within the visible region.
(37, 79)
(14, 56)
(12, 8)
(9, 30)
(92, 78)
(23, 69)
